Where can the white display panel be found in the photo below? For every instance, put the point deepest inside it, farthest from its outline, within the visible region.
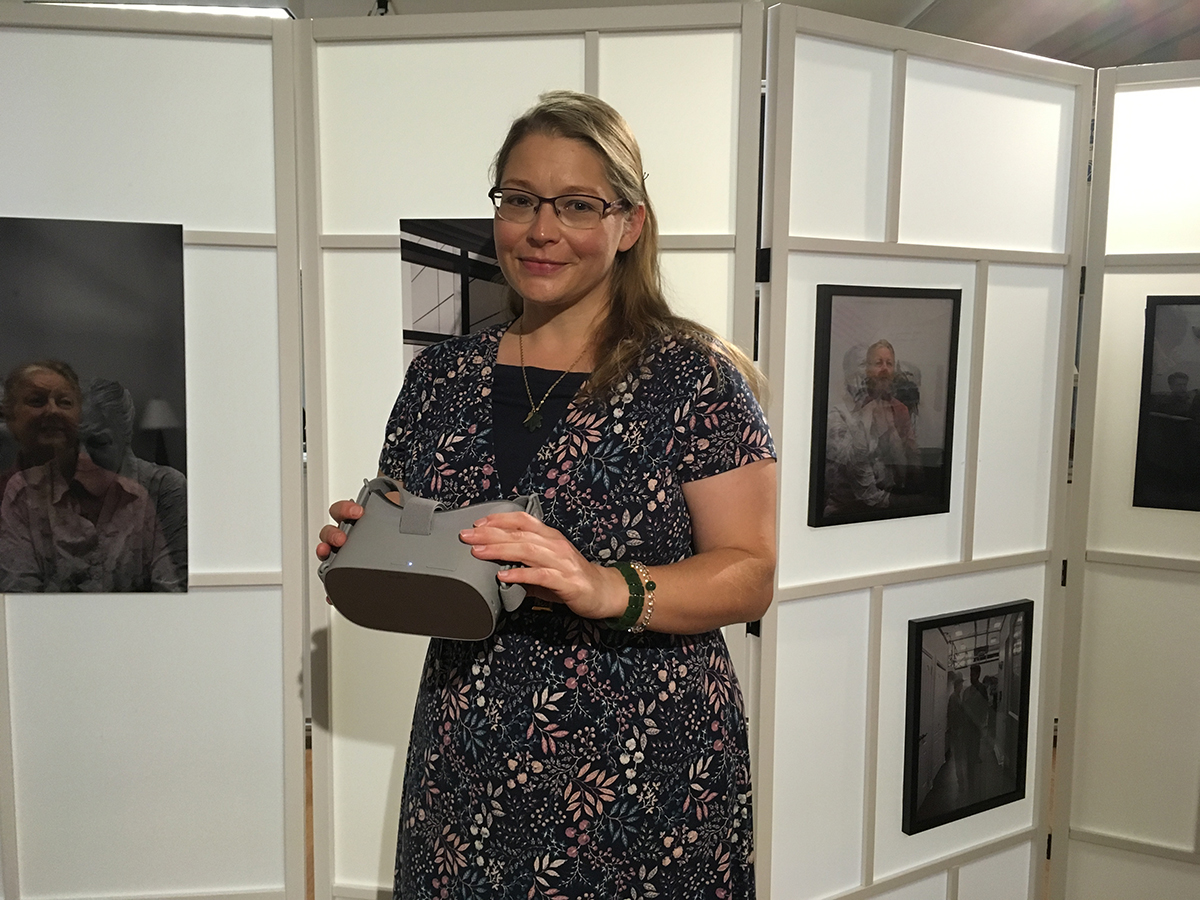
(375, 677)
(1138, 716)
(1114, 523)
(679, 94)
(1102, 873)
(808, 555)
(1002, 876)
(364, 368)
(232, 335)
(895, 851)
(820, 745)
(930, 889)
(409, 128)
(1154, 187)
(986, 159)
(144, 128)
(1017, 409)
(699, 285)
(841, 125)
(147, 756)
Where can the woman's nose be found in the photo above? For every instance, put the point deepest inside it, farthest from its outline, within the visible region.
(545, 225)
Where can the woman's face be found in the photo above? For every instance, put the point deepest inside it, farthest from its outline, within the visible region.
(44, 416)
(545, 262)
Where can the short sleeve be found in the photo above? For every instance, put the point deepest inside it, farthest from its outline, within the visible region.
(722, 422)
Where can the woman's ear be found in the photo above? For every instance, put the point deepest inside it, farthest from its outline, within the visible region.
(633, 227)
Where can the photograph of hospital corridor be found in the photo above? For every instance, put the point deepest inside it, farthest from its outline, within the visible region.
(968, 752)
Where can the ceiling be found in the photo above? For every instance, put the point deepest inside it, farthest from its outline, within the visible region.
(1095, 33)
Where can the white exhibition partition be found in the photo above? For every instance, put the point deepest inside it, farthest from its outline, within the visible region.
(1129, 736)
(907, 160)
(406, 114)
(157, 740)
(152, 747)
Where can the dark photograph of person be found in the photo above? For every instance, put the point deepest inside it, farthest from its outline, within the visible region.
(968, 714)
(883, 402)
(93, 490)
(1167, 471)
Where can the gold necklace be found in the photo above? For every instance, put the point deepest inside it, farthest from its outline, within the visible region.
(533, 421)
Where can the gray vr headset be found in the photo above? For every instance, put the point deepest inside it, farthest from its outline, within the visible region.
(403, 567)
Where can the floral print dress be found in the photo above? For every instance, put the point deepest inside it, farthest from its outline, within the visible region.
(557, 758)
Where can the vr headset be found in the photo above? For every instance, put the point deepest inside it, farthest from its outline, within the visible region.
(403, 567)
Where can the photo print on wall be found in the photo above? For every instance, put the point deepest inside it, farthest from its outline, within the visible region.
(93, 442)
(883, 402)
(451, 280)
(1167, 470)
(967, 721)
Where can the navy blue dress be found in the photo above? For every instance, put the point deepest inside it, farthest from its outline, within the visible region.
(558, 758)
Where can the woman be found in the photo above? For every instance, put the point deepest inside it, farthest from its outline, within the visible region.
(595, 745)
(66, 524)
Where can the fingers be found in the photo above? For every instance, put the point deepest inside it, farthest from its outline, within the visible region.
(515, 521)
(345, 510)
(517, 542)
(331, 537)
(552, 568)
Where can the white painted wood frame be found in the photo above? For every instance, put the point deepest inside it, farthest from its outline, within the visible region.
(839, 611)
(246, 582)
(1129, 808)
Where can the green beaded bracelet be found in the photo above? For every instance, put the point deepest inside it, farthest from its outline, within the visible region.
(637, 596)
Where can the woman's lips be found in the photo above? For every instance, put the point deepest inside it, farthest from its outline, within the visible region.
(541, 266)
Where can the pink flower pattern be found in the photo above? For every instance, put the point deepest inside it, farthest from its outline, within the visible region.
(559, 759)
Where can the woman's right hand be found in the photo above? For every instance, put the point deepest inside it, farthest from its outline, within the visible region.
(331, 536)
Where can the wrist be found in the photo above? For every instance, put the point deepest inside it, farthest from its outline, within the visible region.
(639, 597)
(648, 588)
(635, 596)
(616, 594)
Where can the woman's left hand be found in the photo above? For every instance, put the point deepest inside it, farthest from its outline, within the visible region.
(552, 568)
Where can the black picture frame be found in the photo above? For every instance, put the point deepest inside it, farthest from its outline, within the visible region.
(882, 451)
(966, 749)
(1167, 465)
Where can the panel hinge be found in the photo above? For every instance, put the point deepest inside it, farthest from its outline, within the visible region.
(1082, 279)
(1049, 841)
(762, 265)
(1064, 573)
(754, 628)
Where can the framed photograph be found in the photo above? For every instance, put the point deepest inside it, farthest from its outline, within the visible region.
(967, 726)
(883, 402)
(1167, 470)
(452, 283)
(93, 431)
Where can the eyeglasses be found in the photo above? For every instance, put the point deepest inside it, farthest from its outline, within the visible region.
(573, 210)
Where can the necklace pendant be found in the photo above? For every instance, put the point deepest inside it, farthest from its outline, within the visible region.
(533, 421)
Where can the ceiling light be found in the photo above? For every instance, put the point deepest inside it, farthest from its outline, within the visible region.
(270, 12)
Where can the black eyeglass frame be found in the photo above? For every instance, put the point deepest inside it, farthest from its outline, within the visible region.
(496, 193)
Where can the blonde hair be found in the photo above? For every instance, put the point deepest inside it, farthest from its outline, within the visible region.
(638, 312)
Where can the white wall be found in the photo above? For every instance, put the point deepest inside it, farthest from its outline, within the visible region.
(148, 731)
